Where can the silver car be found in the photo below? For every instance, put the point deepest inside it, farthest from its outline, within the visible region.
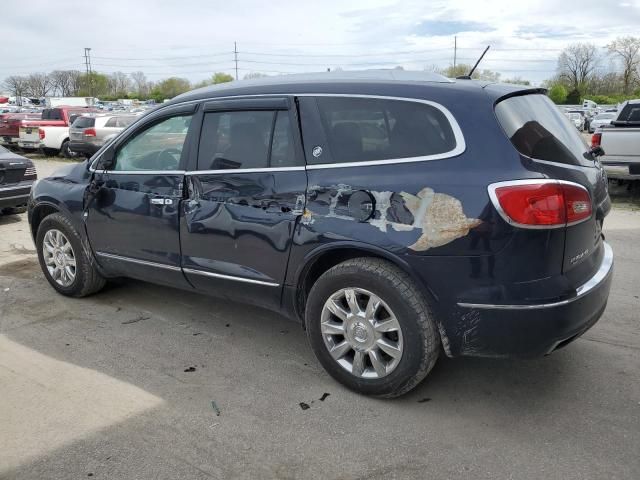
(89, 133)
(601, 119)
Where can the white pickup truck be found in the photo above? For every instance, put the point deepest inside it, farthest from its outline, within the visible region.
(621, 143)
(51, 132)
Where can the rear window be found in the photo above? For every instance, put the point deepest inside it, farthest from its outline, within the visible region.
(52, 114)
(84, 122)
(538, 129)
(630, 113)
(368, 129)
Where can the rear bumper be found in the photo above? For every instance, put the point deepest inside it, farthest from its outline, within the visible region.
(533, 329)
(83, 147)
(15, 195)
(619, 171)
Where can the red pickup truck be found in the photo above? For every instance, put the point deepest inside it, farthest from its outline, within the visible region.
(10, 127)
(54, 124)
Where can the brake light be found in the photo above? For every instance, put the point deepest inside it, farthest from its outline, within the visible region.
(596, 139)
(41, 133)
(541, 203)
(90, 132)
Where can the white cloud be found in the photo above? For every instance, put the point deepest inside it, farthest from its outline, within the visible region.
(526, 37)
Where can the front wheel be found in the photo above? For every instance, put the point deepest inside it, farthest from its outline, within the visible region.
(63, 260)
(371, 328)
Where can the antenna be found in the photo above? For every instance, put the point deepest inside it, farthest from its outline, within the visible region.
(468, 75)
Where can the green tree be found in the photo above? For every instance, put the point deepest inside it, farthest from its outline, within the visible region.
(574, 97)
(169, 88)
(558, 94)
(93, 84)
(221, 77)
(463, 69)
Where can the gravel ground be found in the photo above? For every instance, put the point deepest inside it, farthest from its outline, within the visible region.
(122, 385)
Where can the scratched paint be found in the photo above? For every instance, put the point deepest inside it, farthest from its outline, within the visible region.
(439, 217)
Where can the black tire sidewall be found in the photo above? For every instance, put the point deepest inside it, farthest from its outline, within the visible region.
(58, 222)
(412, 333)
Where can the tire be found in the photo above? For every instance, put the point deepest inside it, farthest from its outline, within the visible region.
(86, 279)
(50, 152)
(415, 330)
(14, 210)
(66, 151)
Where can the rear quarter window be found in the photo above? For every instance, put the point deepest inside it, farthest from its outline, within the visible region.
(371, 129)
(538, 129)
(84, 122)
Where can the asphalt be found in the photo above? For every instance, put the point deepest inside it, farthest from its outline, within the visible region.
(145, 382)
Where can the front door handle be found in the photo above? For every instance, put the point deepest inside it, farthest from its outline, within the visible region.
(161, 201)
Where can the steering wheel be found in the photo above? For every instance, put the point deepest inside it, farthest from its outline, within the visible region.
(166, 158)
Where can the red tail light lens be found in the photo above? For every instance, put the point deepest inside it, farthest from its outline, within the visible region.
(541, 203)
(41, 133)
(596, 139)
(90, 132)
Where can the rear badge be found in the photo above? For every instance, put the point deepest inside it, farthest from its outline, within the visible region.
(317, 151)
(578, 257)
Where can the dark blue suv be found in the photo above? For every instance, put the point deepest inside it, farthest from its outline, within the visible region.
(394, 214)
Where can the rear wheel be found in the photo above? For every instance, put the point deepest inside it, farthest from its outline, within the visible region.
(371, 327)
(66, 151)
(63, 260)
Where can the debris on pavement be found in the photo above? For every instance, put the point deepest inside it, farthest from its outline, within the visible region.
(324, 396)
(215, 408)
(304, 406)
(424, 400)
(137, 319)
(190, 369)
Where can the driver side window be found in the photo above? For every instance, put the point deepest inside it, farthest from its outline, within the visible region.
(158, 147)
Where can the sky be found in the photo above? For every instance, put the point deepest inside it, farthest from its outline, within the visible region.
(194, 38)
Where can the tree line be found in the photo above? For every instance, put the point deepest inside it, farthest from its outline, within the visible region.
(73, 83)
(606, 75)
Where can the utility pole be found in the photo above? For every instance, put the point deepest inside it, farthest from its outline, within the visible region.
(455, 50)
(87, 64)
(235, 56)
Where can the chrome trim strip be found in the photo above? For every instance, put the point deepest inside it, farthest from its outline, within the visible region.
(229, 277)
(26, 195)
(139, 262)
(602, 273)
(142, 172)
(245, 170)
(16, 187)
(540, 181)
(455, 127)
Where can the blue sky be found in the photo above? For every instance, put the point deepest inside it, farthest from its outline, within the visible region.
(194, 38)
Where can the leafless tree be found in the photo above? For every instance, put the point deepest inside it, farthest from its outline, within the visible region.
(17, 85)
(628, 51)
(38, 85)
(577, 64)
(140, 84)
(65, 82)
(119, 84)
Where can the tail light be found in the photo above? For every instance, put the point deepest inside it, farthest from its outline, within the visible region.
(596, 139)
(90, 132)
(541, 203)
(41, 133)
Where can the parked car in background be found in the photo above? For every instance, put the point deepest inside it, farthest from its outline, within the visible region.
(51, 132)
(90, 132)
(577, 119)
(395, 214)
(601, 120)
(10, 127)
(621, 143)
(17, 175)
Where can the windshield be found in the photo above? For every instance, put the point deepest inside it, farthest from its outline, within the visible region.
(3, 150)
(538, 129)
(605, 116)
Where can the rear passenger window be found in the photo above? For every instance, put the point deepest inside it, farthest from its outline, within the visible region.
(84, 122)
(112, 122)
(368, 129)
(246, 139)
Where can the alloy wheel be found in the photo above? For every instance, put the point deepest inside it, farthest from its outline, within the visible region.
(59, 257)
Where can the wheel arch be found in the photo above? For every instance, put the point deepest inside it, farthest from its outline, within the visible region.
(323, 258)
(39, 213)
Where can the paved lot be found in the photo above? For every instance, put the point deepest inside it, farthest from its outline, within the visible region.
(97, 387)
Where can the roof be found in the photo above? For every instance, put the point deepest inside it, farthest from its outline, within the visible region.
(321, 78)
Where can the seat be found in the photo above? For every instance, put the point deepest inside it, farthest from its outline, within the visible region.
(247, 147)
